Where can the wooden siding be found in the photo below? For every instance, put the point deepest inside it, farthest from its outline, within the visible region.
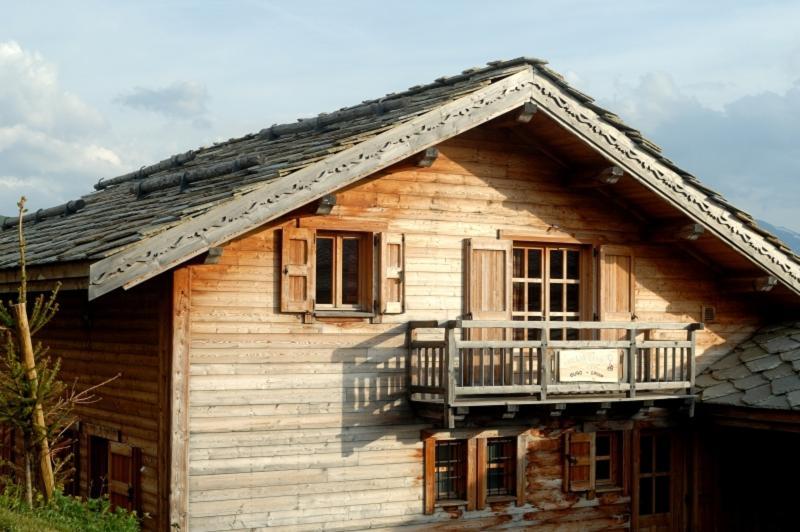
(126, 333)
(307, 426)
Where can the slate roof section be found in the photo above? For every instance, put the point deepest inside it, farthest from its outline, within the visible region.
(763, 372)
(129, 209)
(115, 217)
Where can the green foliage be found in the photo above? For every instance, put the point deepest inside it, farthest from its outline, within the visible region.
(64, 514)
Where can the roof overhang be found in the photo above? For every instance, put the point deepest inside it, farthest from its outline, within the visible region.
(174, 246)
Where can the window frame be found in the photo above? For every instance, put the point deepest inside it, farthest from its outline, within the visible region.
(615, 461)
(619, 458)
(476, 468)
(365, 271)
(509, 468)
(585, 281)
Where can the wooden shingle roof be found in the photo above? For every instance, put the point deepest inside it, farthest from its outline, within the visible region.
(135, 226)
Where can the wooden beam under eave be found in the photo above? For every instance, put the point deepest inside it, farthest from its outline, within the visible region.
(740, 285)
(676, 232)
(427, 157)
(523, 115)
(594, 179)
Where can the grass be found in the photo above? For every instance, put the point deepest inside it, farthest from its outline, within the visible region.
(64, 514)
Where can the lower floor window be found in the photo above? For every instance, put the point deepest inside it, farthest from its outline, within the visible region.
(500, 466)
(451, 470)
(472, 471)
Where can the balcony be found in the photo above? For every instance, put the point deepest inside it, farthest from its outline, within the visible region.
(466, 363)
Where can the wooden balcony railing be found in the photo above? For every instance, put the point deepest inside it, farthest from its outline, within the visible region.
(549, 361)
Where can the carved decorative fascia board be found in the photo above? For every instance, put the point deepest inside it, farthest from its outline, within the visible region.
(620, 149)
(229, 220)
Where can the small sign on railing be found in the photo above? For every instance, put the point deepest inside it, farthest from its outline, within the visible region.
(589, 365)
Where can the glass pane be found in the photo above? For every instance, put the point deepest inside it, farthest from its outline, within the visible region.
(350, 271)
(519, 334)
(534, 297)
(556, 264)
(324, 271)
(646, 496)
(573, 298)
(519, 262)
(603, 445)
(662, 495)
(534, 334)
(646, 450)
(534, 263)
(556, 297)
(519, 297)
(602, 470)
(573, 264)
(662, 453)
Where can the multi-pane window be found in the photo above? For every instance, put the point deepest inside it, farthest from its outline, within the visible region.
(594, 461)
(546, 286)
(341, 271)
(501, 467)
(451, 470)
(655, 473)
(474, 471)
(607, 460)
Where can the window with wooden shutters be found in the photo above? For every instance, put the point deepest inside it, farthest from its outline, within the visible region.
(594, 461)
(297, 270)
(124, 464)
(392, 271)
(617, 283)
(331, 273)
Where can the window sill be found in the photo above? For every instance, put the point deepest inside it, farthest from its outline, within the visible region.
(608, 489)
(343, 314)
(452, 502)
(501, 498)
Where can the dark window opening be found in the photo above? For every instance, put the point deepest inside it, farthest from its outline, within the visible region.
(451, 470)
(98, 466)
(500, 467)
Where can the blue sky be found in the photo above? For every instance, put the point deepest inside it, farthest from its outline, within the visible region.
(94, 89)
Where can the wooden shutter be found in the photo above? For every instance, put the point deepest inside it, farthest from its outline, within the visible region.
(488, 287)
(617, 283)
(579, 461)
(392, 273)
(297, 269)
(124, 463)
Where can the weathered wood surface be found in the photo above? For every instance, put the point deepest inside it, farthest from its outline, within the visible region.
(119, 334)
(307, 425)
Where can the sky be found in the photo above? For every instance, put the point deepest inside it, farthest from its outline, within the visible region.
(91, 90)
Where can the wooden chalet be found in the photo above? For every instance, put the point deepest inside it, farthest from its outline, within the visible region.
(480, 303)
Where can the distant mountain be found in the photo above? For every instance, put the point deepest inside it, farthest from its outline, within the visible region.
(791, 238)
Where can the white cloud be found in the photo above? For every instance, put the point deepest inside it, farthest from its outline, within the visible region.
(50, 140)
(182, 100)
(747, 150)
